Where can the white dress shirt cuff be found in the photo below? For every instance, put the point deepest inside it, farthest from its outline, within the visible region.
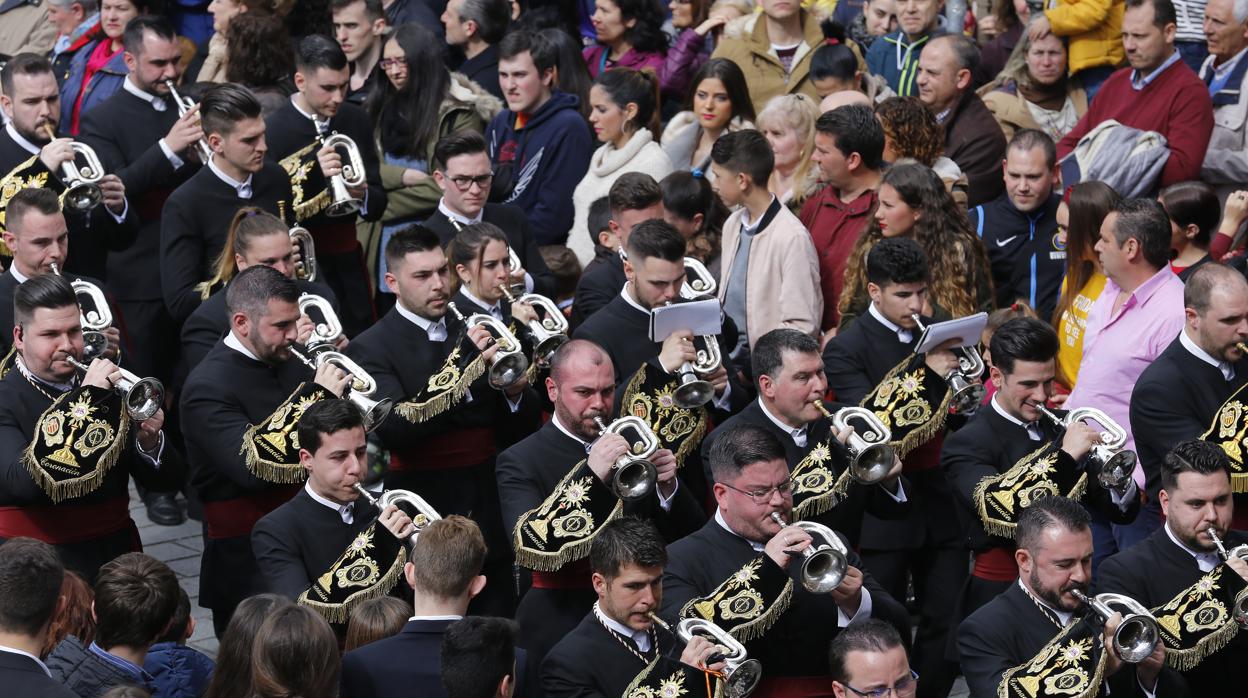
(1123, 501)
(722, 402)
(863, 613)
(514, 405)
(666, 502)
(125, 208)
(171, 156)
(153, 456)
(900, 495)
(528, 282)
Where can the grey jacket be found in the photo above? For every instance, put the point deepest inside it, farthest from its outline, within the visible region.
(1125, 158)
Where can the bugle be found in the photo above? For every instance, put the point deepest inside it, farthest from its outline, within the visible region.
(342, 203)
(328, 329)
(1240, 612)
(692, 391)
(634, 475)
(549, 332)
(508, 365)
(699, 283)
(514, 265)
(360, 386)
(1114, 464)
(82, 184)
(94, 314)
(741, 674)
(871, 457)
(142, 397)
(301, 240)
(1136, 636)
(966, 380)
(184, 105)
(425, 514)
(824, 563)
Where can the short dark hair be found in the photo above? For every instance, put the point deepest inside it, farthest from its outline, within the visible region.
(1028, 138)
(965, 52)
(633, 191)
(1048, 512)
(136, 596)
(23, 64)
(1163, 11)
(326, 417)
(767, 358)
(176, 632)
(250, 292)
(544, 54)
(737, 447)
(854, 129)
(316, 51)
(655, 238)
(224, 105)
(137, 28)
(456, 143)
(43, 291)
(477, 652)
(373, 8)
(628, 540)
(745, 151)
(1198, 291)
(599, 218)
(1193, 456)
(1147, 222)
(1022, 339)
(871, 635)
(491, 16)
(31, 574)
(1193, 203)
(897, 261)
(413, 238)
(38, 199)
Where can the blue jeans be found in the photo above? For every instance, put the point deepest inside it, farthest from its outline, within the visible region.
(1109, 538)
(1091, 79)
(1193, 53)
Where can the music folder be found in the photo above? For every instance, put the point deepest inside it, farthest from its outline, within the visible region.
(699, 317)
(967, 330)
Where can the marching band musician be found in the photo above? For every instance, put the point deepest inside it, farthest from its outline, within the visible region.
(1178, 567)
(448, 423)
(465, 176)
(553, 483)
(197, 215)
(305, 538)
(618, 639)
(138, 134)
(245, 399)
(998, 642)
(31, 157)
(998, 448)
(68, 446)
(296, 134)
(925, 545)
(735, 571)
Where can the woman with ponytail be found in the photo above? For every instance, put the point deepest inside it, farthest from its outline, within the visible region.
(624, 113)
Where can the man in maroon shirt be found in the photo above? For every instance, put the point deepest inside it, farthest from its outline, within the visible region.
(849, 147)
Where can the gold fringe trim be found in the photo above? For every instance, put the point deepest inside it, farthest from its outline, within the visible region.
(6, 364)
(312, 206)
(921, 433)
(753, 629)
(60, 490)
(694, 438)
(823, 503)
(1187, 658)
(263, 468)
(340, 613)
(1094, 683)
(417, 412)
(1239, 481)
(1005, 529)
(546, 561)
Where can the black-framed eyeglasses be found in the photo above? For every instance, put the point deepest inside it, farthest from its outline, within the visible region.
(763, 496)
(903, 687)
(464, 182)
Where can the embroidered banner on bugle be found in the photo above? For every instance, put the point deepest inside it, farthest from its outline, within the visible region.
(649, 396)
(912, 401)
(369, 568)
(1045, 472)
(1072, 665)
(271, 449)
(77, 440)
(1200, 620)
(747, 603)
(562, 529)
(446, 387)
(1230, 431)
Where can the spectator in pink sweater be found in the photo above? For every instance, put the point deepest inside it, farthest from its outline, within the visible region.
(1156, 92)
(630, 35)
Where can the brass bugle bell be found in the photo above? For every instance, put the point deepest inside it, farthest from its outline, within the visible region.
(326, 330)
(142, 397)
(360, 386)
(635, 477)
(741, 674)
(825, 561)
(966, 380)
(549, 332)
(342, 203)
(699, 283)
(514, 265)
(508, 366)
(1137, 635)
(82, 184)
(425, 513)
(1240, 612)
(871, 456)
(1114, 464)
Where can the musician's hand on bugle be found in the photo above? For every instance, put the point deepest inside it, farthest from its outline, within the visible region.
(102, 373)
(1113, 659)
(665, 463)
(397, 522)
(1147, 671)
(332, 378)
(848, 594)
(941, 360)
(185, 132)
(484, 340)
(330, 161)
(604, 453)
(113, 349)
(149, 431)
(57, 152)
(304, 327)
(1079, 439)
(790, 541)
(699, 650)
(718, 379)
(516, 277)
(523, 313)
(1240, 565)
(677, 349)
(114, 193)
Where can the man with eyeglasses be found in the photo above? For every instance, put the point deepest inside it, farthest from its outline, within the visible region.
(464, 174)
(736, 571)
(869, 660)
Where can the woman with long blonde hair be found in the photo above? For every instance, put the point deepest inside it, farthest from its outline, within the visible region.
(788, 124)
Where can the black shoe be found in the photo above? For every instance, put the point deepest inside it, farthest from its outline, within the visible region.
(163, 508)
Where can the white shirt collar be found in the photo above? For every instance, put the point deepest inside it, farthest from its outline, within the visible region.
(628, 298)
(424, 323)
(567, 432)
(640, 637)
(237, 185)
(750, 227)
(491, 307)
(1001, 411)
(719, 519)
(435, 618)
(325, 501)
(157, 103)
(798, 434)
(21, 278)
(454, 217)
(1063, 616)
(232, 341)
(1205, 560)
(322, 125)
(1227, 67)
(903, 335)
(24, 653)
(20, 140)
(21, 366)
(1228, 372)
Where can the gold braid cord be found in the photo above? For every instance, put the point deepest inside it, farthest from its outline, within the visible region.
(562, 529)
(6, 364)
(1230, 431)
(1199, 621)
(14, 181)
(1072, 665)
(649, 396)
(816, 487)
(77, 440)
(298, 167)
(369, 568)
(912, 401)
(748, 603)
(271, 449)
(999, 499)
(668, 678)
(446, 387)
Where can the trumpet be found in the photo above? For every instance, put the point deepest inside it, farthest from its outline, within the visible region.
(142, 397)
(94, 314)
(824, 564)
(425, 514)
(871, 457)
(693, 392)
(184, 105)
(342, 203)
(964, 381)
(741, 674)
(514, 266)
(635, 476)
(1114, 464)
(82, 184)
(326, 332)
(699, 283)
(1240, 612)
(508, 365)
(1137, 635)
(301, 239)
(359, 389)
(550, 332)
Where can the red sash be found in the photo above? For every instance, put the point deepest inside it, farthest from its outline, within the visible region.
(574, 575)
(995, 565)
(462, 448)
(335, 238)
(67, 523)
(232, 518)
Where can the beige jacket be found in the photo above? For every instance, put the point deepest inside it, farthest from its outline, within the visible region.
(783, 276)
(25, 29)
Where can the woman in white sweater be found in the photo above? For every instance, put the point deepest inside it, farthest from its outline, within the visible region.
(624, 114)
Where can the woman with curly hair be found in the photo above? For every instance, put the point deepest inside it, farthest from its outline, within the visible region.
(914, 203)
(260, 56)
(211, 63)
(1079, 220)
(630, 35)
(911, 131)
